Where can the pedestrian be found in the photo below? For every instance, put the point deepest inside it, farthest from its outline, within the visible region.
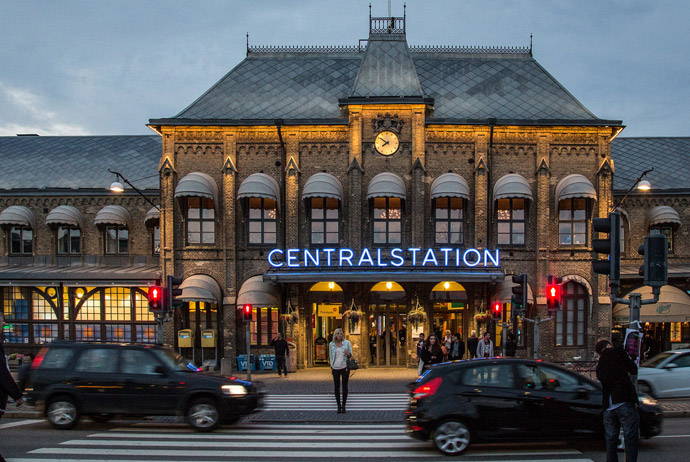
(511, 345)
(619, 399)
(432, 353)
(457, 348)
(339, 350)
(420, 346)
(472, 345)
(446, 345)
(282, 352)
(485, 347)
(8, 387)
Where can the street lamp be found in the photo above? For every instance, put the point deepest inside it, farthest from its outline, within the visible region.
(642, 185)
(116, 187)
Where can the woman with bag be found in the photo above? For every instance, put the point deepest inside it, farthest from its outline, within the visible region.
(431, 353)
(339, 351)
(446, 345)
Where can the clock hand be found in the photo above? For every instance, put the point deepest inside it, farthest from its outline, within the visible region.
(385, 142)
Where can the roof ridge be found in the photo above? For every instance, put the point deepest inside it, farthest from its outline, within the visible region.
(265, 49)
(516, 50)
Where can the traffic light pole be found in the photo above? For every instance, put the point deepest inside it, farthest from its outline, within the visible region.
(249, 352)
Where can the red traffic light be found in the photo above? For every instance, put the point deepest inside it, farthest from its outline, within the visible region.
(496, 310)
(155, 298)
(247, 312)
(553, 293)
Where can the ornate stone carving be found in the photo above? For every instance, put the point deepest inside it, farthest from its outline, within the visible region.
(207, 150)
(387, 122)
(199, 136)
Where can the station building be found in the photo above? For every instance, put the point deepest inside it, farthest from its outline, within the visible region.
(384, 188)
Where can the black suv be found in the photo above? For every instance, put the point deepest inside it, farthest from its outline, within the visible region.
(503, 399)
(68, 380)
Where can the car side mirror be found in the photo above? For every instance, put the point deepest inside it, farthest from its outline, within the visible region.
(159, 370)
(671, 366)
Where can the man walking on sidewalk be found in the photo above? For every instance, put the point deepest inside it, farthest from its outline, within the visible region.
(282, 352)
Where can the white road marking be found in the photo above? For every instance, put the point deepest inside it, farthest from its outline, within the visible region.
(20, 423)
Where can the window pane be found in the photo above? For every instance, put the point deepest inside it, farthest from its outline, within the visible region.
(442, 238)
(518, 227)
(379, 238)
(455, 227)
(579, 239)
(254, 207)
(564, 239)
(395, 238)
(255, 238)
(332, 226)
(270, 209)
(504, 228)
(394, 226)
(208, 238)
(270, 238)
(504, 238)
(456, 238)
(254, 226)
(63, 240)
(518, 239)
(332, 238)
(441, 226)
(317, 238)
(317, 227)
(270, 226)
(75, 241)
(207, 227)
(27, 241)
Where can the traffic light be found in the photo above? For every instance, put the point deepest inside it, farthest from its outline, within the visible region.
(610, 247)
(497, 310)
(519, 298)
(655, 268)
(553, 292)
(247, 312)
(156, 298)
(173, 292)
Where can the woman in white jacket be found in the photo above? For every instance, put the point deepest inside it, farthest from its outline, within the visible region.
(339, 350)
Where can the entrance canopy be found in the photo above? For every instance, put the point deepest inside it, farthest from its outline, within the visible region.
(256, 292)
(673, 306)
(200, 288)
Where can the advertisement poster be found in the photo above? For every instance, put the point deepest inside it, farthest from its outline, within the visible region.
(632, 344)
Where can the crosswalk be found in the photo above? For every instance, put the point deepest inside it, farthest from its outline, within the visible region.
(254, 442)
(355, 402)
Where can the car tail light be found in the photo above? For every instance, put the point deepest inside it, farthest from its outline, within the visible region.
(39, 358)
(428, 389)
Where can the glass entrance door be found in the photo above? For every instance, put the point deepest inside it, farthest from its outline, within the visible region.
(388, 334)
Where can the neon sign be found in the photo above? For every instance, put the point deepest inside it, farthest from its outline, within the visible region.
(377, 258)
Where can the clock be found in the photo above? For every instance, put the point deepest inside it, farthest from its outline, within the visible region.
(386, 143)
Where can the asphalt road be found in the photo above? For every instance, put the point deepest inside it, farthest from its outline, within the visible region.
(134, 440)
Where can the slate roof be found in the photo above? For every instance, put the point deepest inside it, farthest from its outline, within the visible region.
(78, 162)
(304, 85)
(670, 158)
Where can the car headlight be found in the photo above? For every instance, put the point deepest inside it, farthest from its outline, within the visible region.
(234, 390)
(648, 400)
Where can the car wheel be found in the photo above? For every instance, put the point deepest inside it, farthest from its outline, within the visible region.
(452, 437)
(101, 418)
(645, 388)
(62, 412)
(203, 415)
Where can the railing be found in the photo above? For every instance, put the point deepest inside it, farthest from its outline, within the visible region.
(304, 49)
(387, 25)
(470, 49)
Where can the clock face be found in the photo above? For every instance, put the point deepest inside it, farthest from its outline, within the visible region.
(386, 143)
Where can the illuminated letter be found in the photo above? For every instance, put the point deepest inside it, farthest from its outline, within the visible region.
(430, 257)
(270, 258)
(445, 255)
(328, 255)
(308, 256)
(292, 257)
(366, 256)
(343, 258)
(474, 251)
(457, 257)
(414, 255)
(397, 254)
(488, 256)
(378, 258)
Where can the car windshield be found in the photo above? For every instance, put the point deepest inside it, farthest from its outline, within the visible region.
(172, 360)
(656, 360)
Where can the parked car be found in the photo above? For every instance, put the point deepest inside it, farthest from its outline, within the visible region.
(509, 399)
(666, 375)
(68, 380)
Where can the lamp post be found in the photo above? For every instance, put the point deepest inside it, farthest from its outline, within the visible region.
(642, 185)
(117, 187)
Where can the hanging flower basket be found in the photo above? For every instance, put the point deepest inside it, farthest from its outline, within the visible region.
(482, 317)
(290, 318)
(416, 317)
(353, 317)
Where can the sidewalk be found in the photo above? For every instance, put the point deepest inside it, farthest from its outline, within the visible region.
(319, 381)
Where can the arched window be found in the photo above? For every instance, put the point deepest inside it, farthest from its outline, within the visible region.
(571, 319)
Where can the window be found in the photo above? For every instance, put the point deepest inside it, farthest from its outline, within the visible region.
(264, 325)
(263, 219)
(493, 375)
(138, 362)
(68, 240)
(116, 240)
(324, 220)
(156, 239)
(666, 230)
(387, 220)
(21, 240)
(200, 221)
(31, 314)
(449, 214)
(550, 379)
(572, 222)
(570, 319)
(99, 360)
(511, 221)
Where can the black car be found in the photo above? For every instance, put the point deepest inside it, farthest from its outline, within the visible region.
(68, 380)
(509, 399)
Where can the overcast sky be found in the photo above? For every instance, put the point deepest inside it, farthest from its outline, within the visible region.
(90, 67)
